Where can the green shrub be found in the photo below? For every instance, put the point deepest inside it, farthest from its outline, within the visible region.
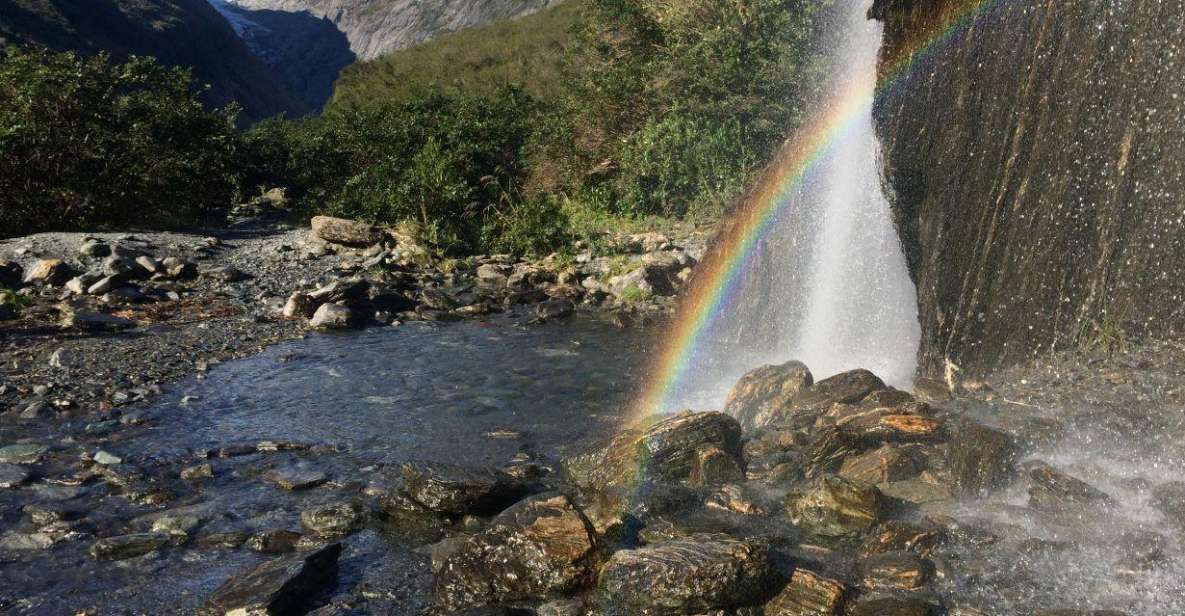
(86, 144)
(529, 227)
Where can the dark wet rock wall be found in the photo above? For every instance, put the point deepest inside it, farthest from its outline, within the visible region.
(1035, 158)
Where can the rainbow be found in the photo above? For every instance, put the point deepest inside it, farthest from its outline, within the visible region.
(718, 277)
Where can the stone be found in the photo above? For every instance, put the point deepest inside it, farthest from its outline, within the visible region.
(91, 247)
(50, 272)
(106, 459)
(179, 269)
(836, 507)
(80, 284)
(456, 490)
(903, 424)
(22, 453)
(765, 386)
(689, 576)
(282, 586)
(665, 450)
(561, 607)
(333, 519)
(892, 607)
(647, 280)
(12, 475)
(148, 264)
(295, 478)
(980, 459)
(299, 305)
(714, 466)
(198, 472)
(334, 316)
(61, 358)
(121, 266)
(1169, 499)
(844, 388)
(542, 545)
(808, 594)
(492, 274)
(345, 231)
(888, 463)
(225, 274)
(230, 541)
(931, 390)
(276, 541)
(554, 309)
(895, 570)
(1053, 490)
(124, 295)
(898, 536)
(128, 546)
(180, 525)
(75, 315)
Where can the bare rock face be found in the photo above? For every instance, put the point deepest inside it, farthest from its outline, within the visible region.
(692, 576)
(345, 231)
(455, 490)
(808, 594)
(767, 385)
(836, 507)
(541, 545)
(664, 451)
(281, 586)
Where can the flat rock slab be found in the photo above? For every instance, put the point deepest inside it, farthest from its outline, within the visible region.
(22, 453)
(451, 489)
(128, 546)
(12, 475)
(281, 586)
(296, 478)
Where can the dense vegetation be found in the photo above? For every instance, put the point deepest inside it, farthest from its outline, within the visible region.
(591, 109)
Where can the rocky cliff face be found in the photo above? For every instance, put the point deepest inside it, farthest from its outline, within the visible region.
(177, 32)
(376, 27)
(1036, 159)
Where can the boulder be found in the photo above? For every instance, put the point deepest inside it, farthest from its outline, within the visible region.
(347, 291)
(808, 594)
(980, 459)
(767, 385)
(282, 586)
(689, 576)
(542, 545)
(50, 271)
(713, 466)
(76, 315)
(333, 519)
(334, 316)
(889, 463)
(299, 305)
(345, 231)
(106, 284)
(118, 265)
(1053, 490)
(296, 477)
(801, 410)
(554, 309)
(80, 284)
(836, 507)
(456, 490)
(493, 275)
(647, 279)
(92, 247)
(895, 570)
(665, 450)
(178, 268)
(128, 546)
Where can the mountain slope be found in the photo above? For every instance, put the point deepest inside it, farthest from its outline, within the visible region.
(176, 32)
(377, 27)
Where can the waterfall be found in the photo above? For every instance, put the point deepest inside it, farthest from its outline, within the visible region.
(828, 284)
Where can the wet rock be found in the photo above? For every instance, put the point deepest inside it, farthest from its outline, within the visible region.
(827, 452)
(889, 463)
(665, 451)
(179, 268)
(334, 316)
(892, 607)
(177, 525)
(765, 386)
(22, 453)
(493, 274)
(230, 540)
(456, 490)
(981, 459)
(561, 607)
(895, 570)
(714, 466)
(12, 475)
(554, 309)
(1169, 499)
(689, 576)
(1053, 490)
(899, 536)
(844, 388)
(836, 507)
(299, 305)
(345, 231)
(128, 546)
(197, 472)
(540, 546)
(275, 541)
(333, 519)
(50, 271)
(296, 477)
(903, 424)
(808, 594)
(931, 390)
(280, 587)
(106, 458)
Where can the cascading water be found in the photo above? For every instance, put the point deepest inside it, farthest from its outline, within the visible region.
(827, 284)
